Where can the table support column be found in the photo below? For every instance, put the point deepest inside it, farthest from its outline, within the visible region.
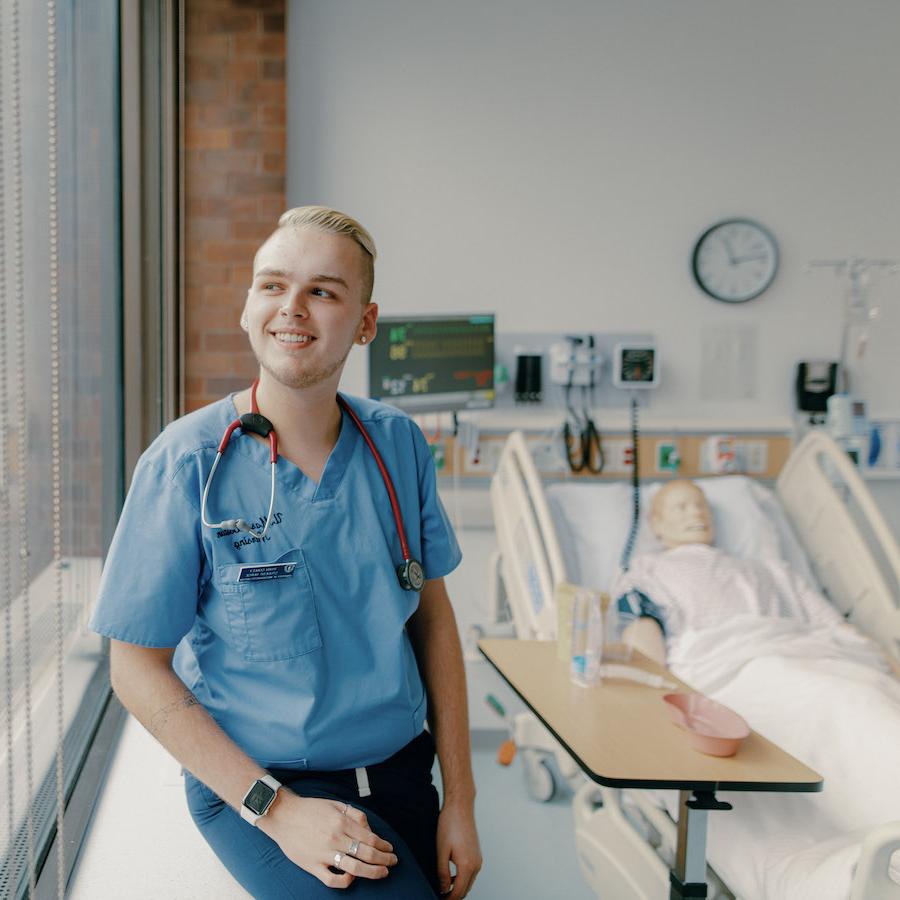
(688, 878)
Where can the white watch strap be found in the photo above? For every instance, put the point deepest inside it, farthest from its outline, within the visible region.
(247, 814)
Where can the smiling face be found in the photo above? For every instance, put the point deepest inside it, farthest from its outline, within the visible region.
(680, 515)
(304, 310)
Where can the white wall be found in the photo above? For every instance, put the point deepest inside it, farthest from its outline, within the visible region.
(555, 163)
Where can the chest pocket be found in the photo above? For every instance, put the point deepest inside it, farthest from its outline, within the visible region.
(271, 618)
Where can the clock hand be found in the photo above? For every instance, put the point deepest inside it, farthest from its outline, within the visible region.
(742, 259)
(729, 250)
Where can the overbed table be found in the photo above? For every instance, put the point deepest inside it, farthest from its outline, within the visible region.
(621, 735)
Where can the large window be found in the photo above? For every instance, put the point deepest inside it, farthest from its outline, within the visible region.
(60, 399)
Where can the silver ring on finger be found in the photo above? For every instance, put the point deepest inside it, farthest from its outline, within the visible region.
(338, 857)
(354, 848)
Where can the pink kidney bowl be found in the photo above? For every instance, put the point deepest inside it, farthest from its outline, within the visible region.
(712, 728)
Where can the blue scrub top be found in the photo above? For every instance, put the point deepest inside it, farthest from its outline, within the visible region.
(311, 670)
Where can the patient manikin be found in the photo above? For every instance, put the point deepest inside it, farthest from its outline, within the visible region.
(693, 585)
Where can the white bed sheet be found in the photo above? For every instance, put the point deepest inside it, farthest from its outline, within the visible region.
(827, 697)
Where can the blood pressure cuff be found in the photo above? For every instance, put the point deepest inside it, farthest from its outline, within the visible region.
(635, 604)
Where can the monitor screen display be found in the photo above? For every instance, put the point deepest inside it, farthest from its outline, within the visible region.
(433, 363)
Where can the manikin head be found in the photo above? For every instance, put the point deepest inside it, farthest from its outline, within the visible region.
(680, 515)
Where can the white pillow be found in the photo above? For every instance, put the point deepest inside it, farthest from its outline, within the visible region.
(593, 520)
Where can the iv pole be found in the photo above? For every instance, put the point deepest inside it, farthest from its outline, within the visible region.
(856, 310)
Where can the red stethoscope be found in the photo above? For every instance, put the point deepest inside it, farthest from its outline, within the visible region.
(410, 572)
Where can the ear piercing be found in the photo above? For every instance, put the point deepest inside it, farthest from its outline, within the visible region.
(363, 339)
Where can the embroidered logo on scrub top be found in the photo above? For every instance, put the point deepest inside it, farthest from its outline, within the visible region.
(266, 571)
(258, 525)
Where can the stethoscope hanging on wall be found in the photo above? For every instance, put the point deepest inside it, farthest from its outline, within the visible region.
(410, 572)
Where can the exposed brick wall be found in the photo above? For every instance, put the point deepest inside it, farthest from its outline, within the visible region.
(234, 178)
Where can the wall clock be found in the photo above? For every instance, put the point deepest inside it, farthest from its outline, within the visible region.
(735, 260)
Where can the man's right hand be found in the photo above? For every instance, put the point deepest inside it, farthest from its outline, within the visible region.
(311, 830)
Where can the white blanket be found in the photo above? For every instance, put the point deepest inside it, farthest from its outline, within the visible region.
(825, 695)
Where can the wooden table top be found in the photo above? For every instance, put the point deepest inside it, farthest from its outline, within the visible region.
(621, 734)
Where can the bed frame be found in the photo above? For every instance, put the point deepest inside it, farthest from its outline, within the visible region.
(854, 556)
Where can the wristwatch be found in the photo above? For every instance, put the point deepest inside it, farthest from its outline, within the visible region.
(259, 799)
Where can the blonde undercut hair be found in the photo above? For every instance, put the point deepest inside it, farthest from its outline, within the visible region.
(334, 222)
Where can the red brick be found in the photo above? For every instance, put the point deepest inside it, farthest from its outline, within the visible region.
(243, 161)
(224, 21)
(206, 92)
(201, 45)
(254, 184)
(269, 46)
(242, 71)
(207, 229)
(273, 24)
(273, 164)
(205, 67)
(225, 342)
(228, 251)
(273, 68)
(271, 206)
(204, 115)
(207, 138)
(272, 115)
(199, 274)
(242, 275)
(266, 93)
(251, 231)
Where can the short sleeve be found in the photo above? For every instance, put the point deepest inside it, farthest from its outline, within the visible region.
(440, 550)
(150, 583)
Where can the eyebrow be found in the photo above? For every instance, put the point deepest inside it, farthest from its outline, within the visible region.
(280, 273)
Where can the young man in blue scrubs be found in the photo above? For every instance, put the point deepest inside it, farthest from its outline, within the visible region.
(288, 670)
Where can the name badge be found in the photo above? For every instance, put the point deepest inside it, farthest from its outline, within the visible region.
(266, 572)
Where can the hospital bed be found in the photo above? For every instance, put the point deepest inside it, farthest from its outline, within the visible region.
(822, 520)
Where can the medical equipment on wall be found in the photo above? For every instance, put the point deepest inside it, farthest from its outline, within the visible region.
(635, 366)
(576, 364)
(434, 363)
(529, 376)
(816, 381)
(859, 312)
(409, 573)
(849, 426)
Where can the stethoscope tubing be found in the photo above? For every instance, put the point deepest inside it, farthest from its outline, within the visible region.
(385, 477)
(241, 525)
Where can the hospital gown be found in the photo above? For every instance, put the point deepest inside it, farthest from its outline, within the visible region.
(695, 587)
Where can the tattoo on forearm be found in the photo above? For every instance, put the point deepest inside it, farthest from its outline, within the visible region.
(159, 719)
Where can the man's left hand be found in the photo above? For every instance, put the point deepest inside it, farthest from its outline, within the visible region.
(457, 840)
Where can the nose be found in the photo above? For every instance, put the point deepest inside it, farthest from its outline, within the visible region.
(294, 305)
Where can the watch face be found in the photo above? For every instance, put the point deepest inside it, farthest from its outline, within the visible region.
(259, 797)
(735, 260)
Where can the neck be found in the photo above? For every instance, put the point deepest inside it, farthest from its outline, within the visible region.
(307, 416)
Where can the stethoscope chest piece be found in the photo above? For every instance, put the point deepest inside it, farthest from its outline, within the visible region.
(411, 575)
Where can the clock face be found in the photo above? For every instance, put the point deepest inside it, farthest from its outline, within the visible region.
(735, 260)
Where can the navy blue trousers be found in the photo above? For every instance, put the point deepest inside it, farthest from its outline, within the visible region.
(402, 809)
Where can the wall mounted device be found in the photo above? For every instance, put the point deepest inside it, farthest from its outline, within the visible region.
(635, 366)
(816, 381)
(433, 363)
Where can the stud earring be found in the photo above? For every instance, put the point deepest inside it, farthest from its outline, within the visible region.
(244, 323)
(363, 339)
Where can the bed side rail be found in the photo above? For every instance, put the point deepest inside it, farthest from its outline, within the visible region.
(531, 562)
(872, 880)
(852, 551)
